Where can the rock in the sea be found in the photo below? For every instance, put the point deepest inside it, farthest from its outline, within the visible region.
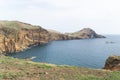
(112, 63)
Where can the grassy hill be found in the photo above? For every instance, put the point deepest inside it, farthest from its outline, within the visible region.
(17, 69)
(17, 25)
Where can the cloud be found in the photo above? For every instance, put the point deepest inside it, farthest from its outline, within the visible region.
(1, 2)
(61, 14)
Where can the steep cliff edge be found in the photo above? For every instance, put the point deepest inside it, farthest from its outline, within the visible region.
(112, 63)
(16, 36)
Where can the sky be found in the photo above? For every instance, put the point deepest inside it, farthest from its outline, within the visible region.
(103, 16)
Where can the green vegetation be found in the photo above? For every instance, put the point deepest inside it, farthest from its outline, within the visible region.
(18, 69)
(16, 25)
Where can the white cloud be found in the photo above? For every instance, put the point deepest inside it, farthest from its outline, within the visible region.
(1, 2)
(61, 14)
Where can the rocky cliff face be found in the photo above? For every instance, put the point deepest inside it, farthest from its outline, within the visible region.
(112, 63)
(16, 36)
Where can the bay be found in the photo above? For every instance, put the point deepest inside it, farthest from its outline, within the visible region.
(90, 53)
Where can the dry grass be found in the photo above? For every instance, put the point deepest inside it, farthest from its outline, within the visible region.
(16, 69)
(16, 25)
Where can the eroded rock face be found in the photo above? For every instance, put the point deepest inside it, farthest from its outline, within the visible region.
(112, 63)
(20, 36)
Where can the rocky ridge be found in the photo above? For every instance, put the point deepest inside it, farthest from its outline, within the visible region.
(16, 36)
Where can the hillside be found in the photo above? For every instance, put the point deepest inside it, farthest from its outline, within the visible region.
(86, 33)
(16, 36)
(17, 69)
(55, 35)
(17, 25)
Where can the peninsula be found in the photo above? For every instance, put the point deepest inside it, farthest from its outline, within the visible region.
(16, 36)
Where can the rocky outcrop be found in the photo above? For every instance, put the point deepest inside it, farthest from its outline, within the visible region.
(112, 63)
(16, 36)
(85, 33)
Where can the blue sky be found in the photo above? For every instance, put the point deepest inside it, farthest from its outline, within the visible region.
(65, 15)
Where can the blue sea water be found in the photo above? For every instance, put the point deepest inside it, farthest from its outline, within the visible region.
(90, 53)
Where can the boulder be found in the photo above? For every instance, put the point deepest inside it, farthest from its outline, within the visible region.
(112, 63)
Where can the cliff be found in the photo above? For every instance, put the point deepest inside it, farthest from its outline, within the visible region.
(112, 63)
(16, 36)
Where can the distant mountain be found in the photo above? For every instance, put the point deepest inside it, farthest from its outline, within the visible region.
(85, 33)
(16, 36)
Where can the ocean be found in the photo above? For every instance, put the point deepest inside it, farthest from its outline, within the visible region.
(91, 53)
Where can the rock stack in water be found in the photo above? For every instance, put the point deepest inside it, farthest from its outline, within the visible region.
(112, 63)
